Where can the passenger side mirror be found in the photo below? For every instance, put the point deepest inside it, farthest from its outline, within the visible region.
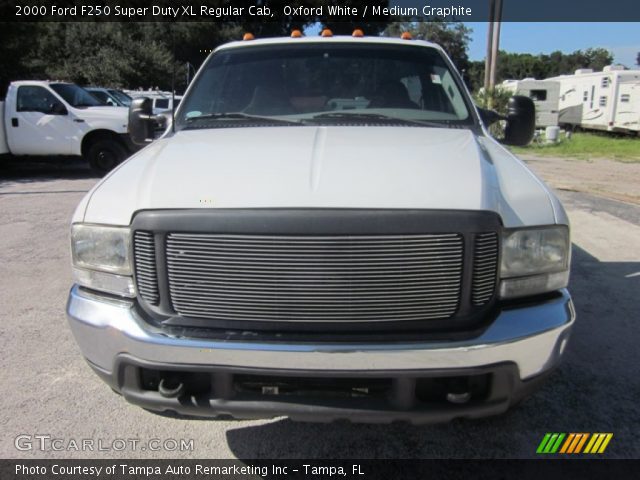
(521, 121)
(142, 121)
(57, 108)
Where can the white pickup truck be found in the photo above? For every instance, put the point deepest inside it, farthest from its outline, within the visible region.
(42, 118)
(327, 231)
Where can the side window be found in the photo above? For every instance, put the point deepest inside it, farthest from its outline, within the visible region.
(414, 88)
(538, 95)
(32, 98)
(455, 102)
(162, 103)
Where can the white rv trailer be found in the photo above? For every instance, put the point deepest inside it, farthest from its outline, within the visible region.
(545, 95)
(162, 101)
(607, 100)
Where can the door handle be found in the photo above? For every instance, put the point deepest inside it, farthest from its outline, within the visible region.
(78, 120)
(14, 122)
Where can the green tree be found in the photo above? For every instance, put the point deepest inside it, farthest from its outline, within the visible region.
(105, 53)
(516, 66)
(454, 37)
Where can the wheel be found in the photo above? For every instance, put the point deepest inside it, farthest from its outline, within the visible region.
(105, 154)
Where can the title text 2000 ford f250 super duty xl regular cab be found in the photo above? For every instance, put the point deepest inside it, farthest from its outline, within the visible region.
(42, 118)
(326, 231)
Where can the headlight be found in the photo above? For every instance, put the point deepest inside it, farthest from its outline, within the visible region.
(534, 261)
(101, 258)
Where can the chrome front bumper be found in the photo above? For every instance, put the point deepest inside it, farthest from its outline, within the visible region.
(532, 337)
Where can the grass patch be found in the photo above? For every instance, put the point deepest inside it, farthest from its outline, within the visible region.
(587, 146)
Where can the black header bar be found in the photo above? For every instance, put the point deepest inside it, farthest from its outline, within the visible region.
(301, 11)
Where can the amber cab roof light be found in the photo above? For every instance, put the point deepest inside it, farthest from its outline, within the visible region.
(357, 33)
(326, 33)
(296, 33)
(248, 36)
(406, 36)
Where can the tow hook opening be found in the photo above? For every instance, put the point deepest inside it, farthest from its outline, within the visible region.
(170, 387)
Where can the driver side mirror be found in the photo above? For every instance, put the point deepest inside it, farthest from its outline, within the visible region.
(142, 121)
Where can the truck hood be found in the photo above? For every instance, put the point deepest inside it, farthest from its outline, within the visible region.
(322, 167)
(113, 118)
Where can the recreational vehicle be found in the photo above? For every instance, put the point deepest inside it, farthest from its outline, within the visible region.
(607, 100)
(544, 94)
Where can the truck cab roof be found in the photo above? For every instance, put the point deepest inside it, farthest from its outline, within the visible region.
(326, 40)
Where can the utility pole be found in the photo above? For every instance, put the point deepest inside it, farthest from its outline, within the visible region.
(495, 43)
(487, 61)
(493, 46)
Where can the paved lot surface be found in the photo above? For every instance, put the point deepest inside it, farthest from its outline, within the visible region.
(50, 390)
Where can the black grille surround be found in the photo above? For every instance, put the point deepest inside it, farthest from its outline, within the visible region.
(315, 270)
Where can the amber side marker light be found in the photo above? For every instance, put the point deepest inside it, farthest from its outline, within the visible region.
(248, 36)
(406, 36)
(326, 33)
(357, 33)
(296, 34)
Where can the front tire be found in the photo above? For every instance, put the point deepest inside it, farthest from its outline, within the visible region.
(105, 154)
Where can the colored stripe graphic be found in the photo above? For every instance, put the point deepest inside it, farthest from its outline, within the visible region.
(581, 443)
(590, 444)
(543, 443)
(550, 443)
(599, 443)
(605, 443)
(574, 443)
(567, 443)
(556, 446)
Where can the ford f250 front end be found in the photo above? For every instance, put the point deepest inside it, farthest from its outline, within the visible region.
(326, 231)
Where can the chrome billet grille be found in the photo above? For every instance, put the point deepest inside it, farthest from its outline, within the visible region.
(144, 252)
(314, 278)
(485, 263)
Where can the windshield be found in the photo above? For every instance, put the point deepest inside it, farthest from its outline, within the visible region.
(122, 97)
(75, 95)
(104, 97)
(326, 83)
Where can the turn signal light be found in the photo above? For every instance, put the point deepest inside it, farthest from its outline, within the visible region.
(248, 36)
(326, 33)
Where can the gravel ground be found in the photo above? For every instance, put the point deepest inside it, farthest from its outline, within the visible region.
(51, 391)
(603, 177)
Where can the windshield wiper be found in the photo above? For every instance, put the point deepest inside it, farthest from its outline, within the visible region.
(376, 117)
(239, 116)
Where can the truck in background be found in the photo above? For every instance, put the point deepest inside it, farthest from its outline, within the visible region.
(161, 101)
(110, 96)
(607, 100)
(49, 118)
